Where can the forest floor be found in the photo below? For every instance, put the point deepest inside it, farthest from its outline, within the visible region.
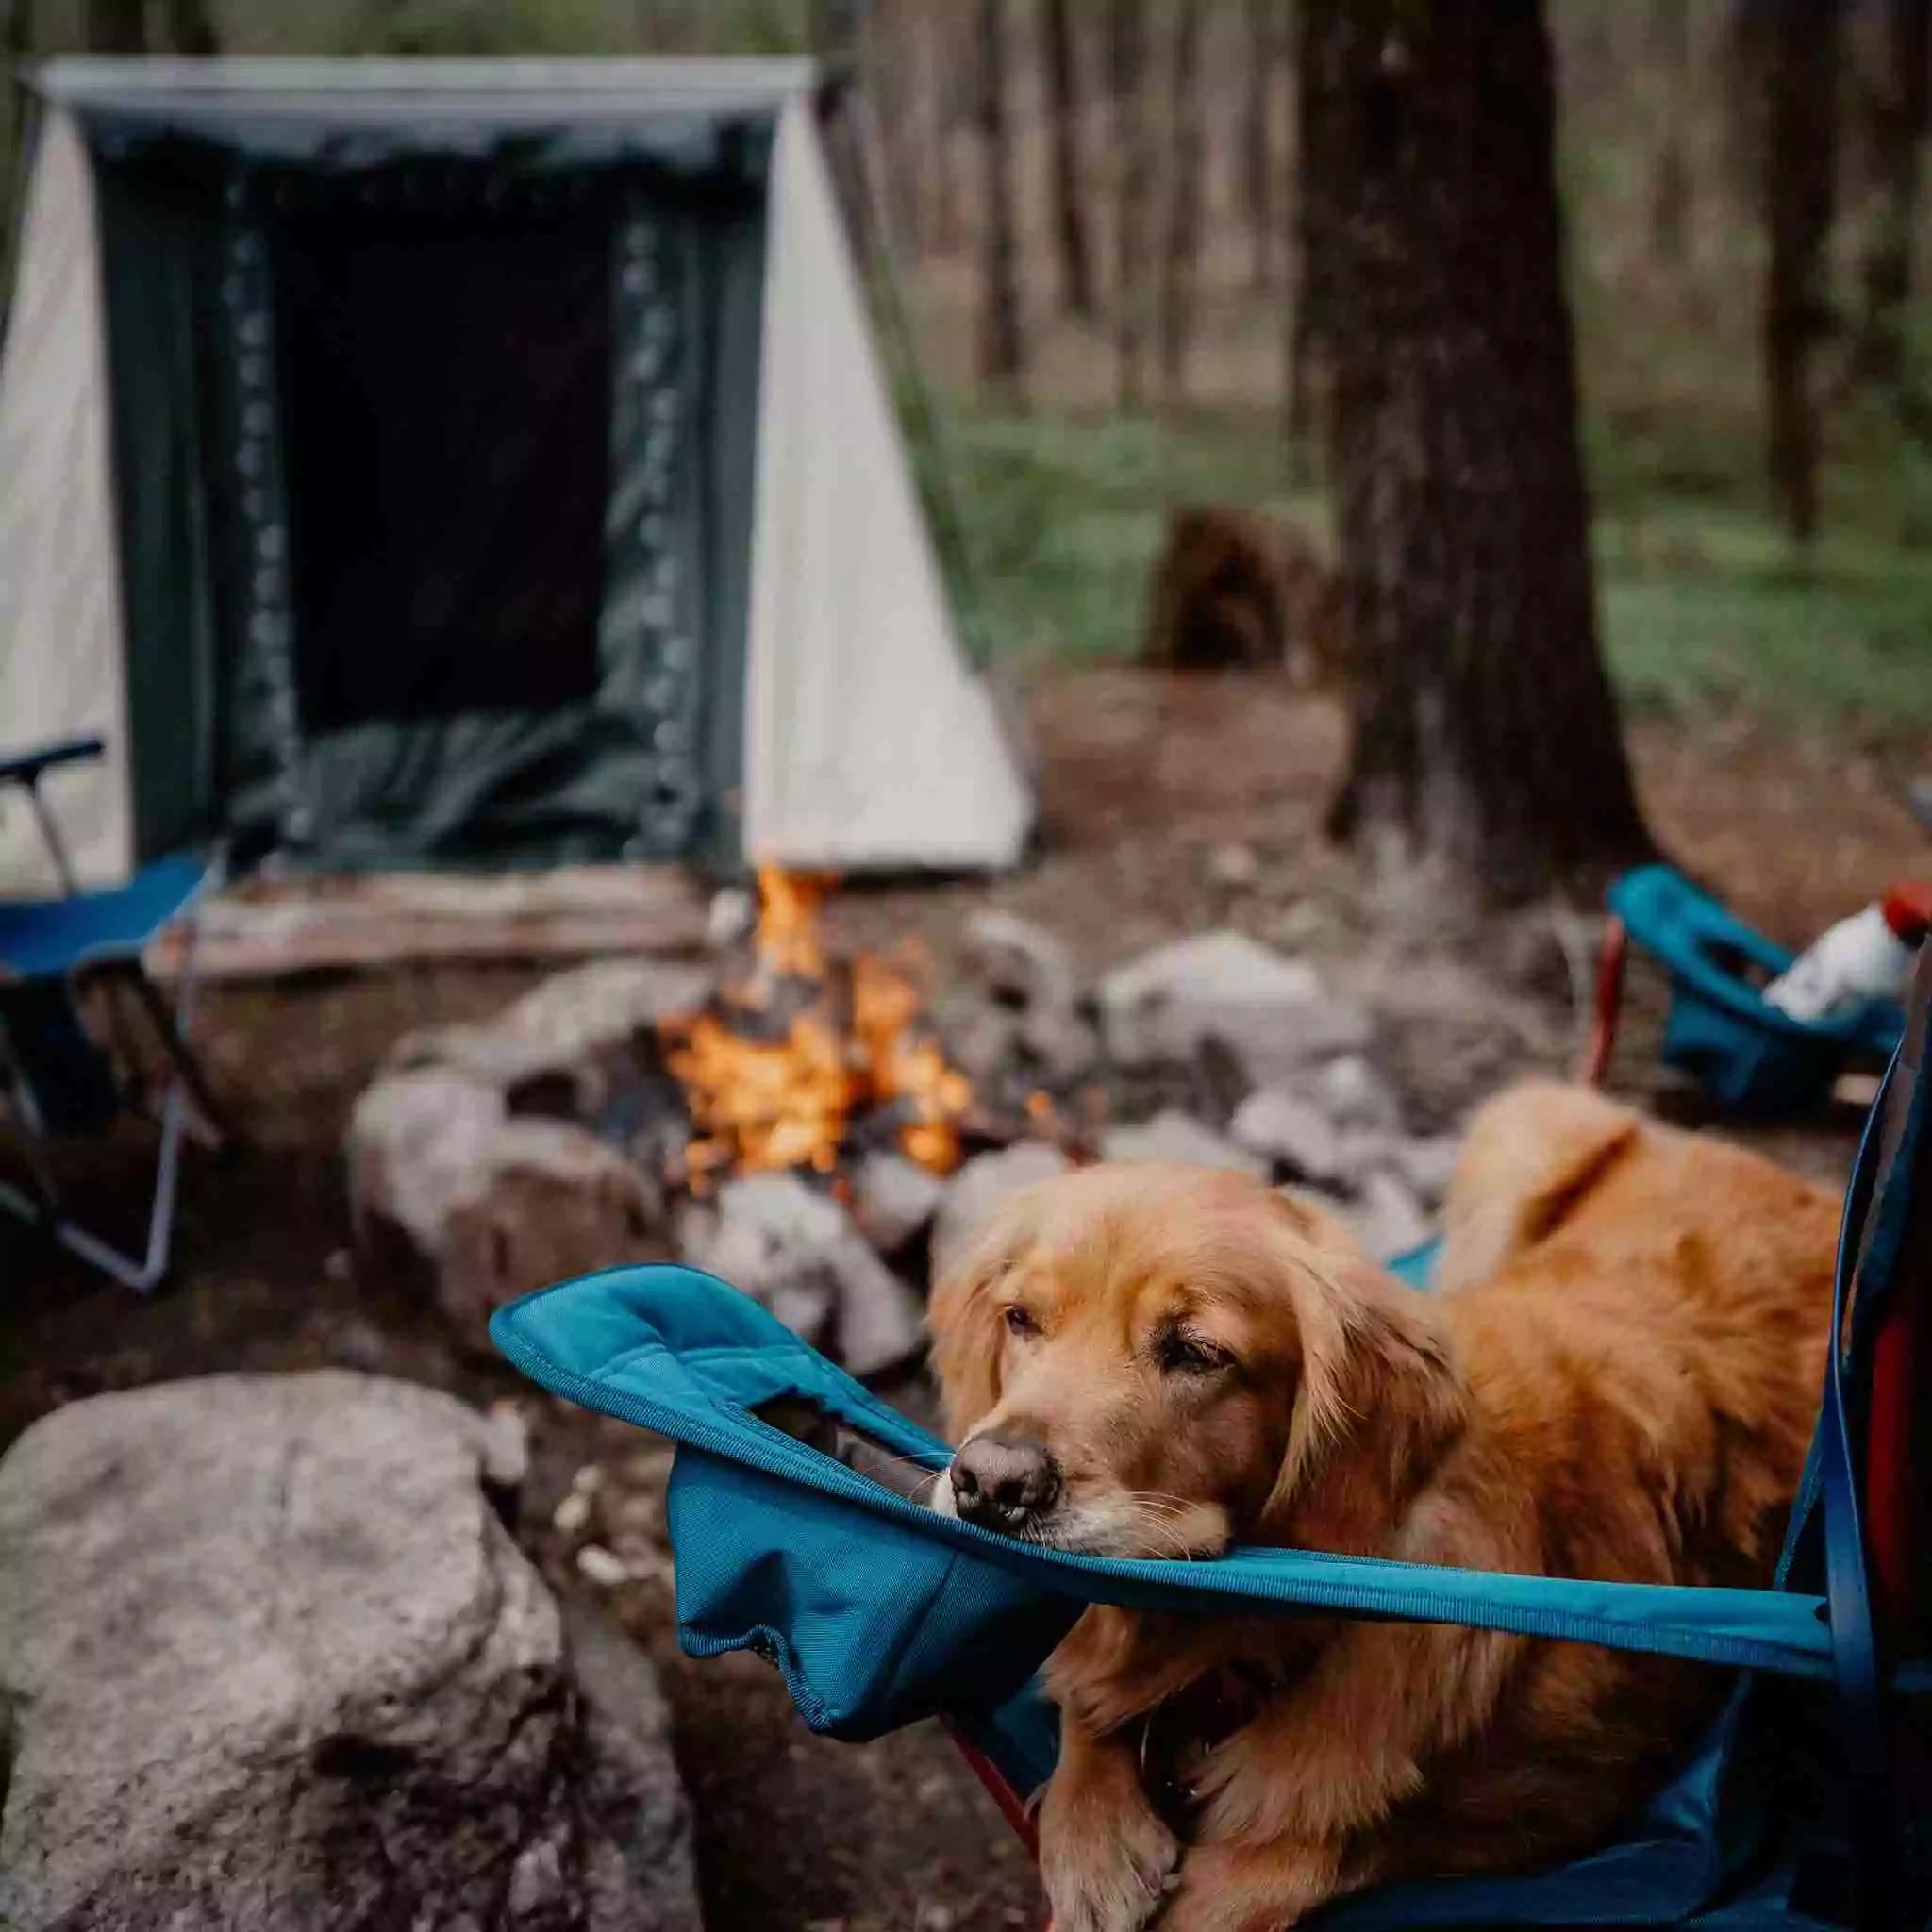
(1143, 780)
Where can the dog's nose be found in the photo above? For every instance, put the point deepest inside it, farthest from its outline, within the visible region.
(1002, 1481)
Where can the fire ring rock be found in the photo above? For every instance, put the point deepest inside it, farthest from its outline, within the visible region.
(271, 1664)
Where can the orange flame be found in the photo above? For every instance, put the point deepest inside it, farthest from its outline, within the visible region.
(773, 1103)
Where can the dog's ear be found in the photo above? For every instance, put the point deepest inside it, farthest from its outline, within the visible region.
(963, 1316)
(1379, 1402)
(1528, 1157)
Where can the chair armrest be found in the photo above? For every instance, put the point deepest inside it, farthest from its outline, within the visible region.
(25, 767)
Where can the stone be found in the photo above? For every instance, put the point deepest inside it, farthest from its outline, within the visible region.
(981, 1039)
(1020, 962)
(1059, 1045)
(1271, 1012)
(1234, 867)
(1426, 1164)
(1176, 1136)
(271, 1662)
(574, 1042)
(800, 1254)
(445, 1182)
(414, 1144)
(1389, 1217)
(731, 918)
(980, 1186)
(1291, 1134)
(1353, 1094)
(893, 1200)
(548, 1200)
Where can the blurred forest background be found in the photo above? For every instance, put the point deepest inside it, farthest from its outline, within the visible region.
(1092, 215)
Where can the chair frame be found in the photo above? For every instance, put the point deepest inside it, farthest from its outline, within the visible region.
(187, 1107)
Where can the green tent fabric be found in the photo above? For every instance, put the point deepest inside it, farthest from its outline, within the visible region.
(490, 466)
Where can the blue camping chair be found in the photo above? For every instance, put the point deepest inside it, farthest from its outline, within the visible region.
(1803, 1807)
(1721, 1031)
(57, 1079)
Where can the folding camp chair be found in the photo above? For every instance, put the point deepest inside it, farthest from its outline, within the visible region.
(1721, 1031)
(1808, 1804)
(55, 1076)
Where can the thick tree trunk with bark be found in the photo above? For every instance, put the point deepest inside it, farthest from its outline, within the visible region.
(1133, 194)
(1488, 764)
(1902, 109)
(1059, 62)
(1180, 255)
(1002, 347)
(1262, 21)
(1670, 167)
(1799, 59)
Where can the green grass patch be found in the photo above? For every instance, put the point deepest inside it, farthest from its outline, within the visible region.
(1703, 605)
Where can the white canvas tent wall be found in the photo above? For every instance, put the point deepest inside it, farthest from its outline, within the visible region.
(857, 735)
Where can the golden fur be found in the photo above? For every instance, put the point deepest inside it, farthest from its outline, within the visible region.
(1618, 1380)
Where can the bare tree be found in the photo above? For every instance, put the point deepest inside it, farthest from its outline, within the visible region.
(115, 27)
(1793, 49)
(1901, 110)
(1002, 350)
(1133, 191)
(1669, 169)
(1488, 761)
(1263, 19)
(1180, 256)
(1059, 60)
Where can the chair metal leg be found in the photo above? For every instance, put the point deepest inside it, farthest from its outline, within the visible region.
(1609, 1003)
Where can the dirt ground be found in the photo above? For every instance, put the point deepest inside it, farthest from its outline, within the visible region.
(1143, 783)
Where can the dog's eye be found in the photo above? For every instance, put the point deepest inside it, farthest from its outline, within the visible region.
(1183, 1353)
(1018, 1322)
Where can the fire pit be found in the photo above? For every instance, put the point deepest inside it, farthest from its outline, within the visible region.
(823, 1130)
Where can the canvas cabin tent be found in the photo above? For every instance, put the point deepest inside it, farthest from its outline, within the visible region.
(469, 464)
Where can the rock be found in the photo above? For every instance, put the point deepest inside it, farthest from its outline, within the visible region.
(979, 1188)
(1354, 1095)
(1388, 1217)
(895, 1200)
(981, 1039)
(415, 1143)
(486, 1206)
(1296, 1136)
(1271, 1012)
(1426, 1165)
(548, 1201)
(1059, 1045)
(799, 1252)
(1235, 867)
(506, 1447)
(1022, 963)
(315, 1684)
(731, 918)
(1176, 1136)
(573, 1041)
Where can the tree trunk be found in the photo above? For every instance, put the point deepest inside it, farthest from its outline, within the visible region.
(1059, 62)
(1133, 191)
(1799, 173)
(1257, 142)
(116, 26)
(1302, 341)
(1901, 109)
(1670, 175)
(1180, 256)
(1001, 346)
(191, 31)
(1488, 764)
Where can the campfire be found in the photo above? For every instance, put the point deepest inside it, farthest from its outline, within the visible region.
(798, 1060)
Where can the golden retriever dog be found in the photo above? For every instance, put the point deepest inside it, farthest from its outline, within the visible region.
(1617, 1379)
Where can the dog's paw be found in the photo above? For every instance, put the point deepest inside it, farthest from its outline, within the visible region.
(1111, 1876)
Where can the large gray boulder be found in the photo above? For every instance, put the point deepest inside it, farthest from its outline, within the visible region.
(269, 1661)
